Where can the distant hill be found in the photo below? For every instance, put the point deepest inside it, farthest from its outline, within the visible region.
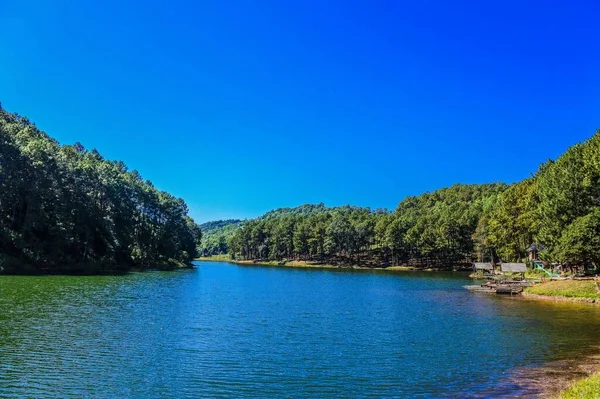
(311, 209)
(303, 210)
(215, 235)
(218, 224)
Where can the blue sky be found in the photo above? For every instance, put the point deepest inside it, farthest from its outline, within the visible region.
(244, 106)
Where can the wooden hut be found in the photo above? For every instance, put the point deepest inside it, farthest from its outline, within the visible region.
(487, 269)
(514, 268)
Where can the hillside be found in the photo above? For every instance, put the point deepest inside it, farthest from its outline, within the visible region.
(65, 209)
(433, 229)
(429, 229)
(215, 236)
(558, 208)
(302, 210)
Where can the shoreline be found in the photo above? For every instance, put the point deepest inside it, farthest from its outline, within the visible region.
(97, 271)
(561, 298)
(551, 379)
(306, 265)
(569, 291)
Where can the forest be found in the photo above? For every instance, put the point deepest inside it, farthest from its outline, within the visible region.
(65, 209)
(428, 230)
(215, 236)
(557, 209)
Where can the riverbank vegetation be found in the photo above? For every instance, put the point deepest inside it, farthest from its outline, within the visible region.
(558, 208)
(588, 388)
(567, 288)
(215, 258)
(65, 209)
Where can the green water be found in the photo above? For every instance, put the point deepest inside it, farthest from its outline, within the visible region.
(228, 331)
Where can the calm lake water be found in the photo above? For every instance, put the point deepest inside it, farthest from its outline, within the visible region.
(228, 331)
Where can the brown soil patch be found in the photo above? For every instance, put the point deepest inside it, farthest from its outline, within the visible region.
(550, 379)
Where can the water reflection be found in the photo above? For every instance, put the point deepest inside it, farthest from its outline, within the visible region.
(227, 331)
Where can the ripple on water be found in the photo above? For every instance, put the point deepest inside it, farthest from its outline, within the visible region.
(226, 331)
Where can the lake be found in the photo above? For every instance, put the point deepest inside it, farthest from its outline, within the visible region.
(228, 331)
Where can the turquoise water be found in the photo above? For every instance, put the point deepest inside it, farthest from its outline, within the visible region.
(228, 331)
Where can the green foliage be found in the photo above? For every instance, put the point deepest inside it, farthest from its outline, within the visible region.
(580, 242)
(219, 258)
(588, 388)
(66, 209)
(302, 210)
(559, 207)
(434, 228)
(439, 226)
(511, 224)
(567, 288)
(215, 236)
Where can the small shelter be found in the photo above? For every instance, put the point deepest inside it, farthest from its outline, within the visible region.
(514, 268)
(483, 266)
(487, 269)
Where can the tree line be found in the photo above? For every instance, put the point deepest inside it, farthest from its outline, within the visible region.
(432, 229)
(557, 209)
(66, 209)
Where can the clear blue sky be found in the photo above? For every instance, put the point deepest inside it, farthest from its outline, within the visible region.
(244, 106)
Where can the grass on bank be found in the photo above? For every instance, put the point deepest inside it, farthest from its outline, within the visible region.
(288, 263)
(291, 263)
(304, 264)
(588, 388)
(529, 275)
(222, 258)
(567, 288)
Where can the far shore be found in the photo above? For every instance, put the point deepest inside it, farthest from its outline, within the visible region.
(567, 290)
(311, 265)
(92, 269)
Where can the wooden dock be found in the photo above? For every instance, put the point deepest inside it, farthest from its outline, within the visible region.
(510, 288)
(481, 288)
